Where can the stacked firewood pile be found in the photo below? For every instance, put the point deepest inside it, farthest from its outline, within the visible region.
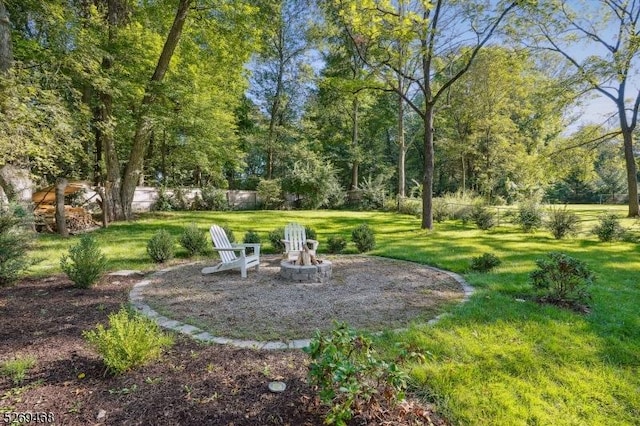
(77, 218)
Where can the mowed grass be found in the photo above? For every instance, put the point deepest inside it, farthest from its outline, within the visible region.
(496, 360)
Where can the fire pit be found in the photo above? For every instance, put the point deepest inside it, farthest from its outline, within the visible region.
(319, 273)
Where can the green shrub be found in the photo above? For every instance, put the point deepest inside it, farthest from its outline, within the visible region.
(336, 243)
(270, 193)
(15, 242)
(562, 222)
(313, 180)
(483, 217)
(609, 228)
(373, 192)
(562, 278)
(412, 206)
(16, 368)
(485, 262)
(275, 238)
(529, 216)
(85, 263)
(194, 240)
(440, 210)
(161, 246)
(211, 198)
(251, 237)
(349, 375)
(363, 237)
(130, 341)
(179, 200)
(459, 205)
(230, 235)
(310, 233)
(163, 202)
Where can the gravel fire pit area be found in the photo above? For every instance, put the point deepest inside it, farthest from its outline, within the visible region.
(368, 293)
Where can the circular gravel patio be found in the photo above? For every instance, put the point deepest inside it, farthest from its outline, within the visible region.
(368, 293)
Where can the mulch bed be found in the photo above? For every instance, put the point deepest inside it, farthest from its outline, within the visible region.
(192, 384)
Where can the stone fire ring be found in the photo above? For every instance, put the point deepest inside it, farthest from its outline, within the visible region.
(320, 273)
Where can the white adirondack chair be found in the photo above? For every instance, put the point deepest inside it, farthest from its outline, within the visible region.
(229, 258)
(295, 238)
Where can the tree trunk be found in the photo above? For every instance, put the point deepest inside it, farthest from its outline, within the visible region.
(354, 146)
(401, 145)
(429, 164)
(632, 177)
(275, 107)
(144, 125)
(112, 204)
(61, 223)
(6, 51)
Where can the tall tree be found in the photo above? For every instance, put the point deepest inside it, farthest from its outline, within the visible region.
(437, 31)
(280, 71)
(500, 117)
(598, 40)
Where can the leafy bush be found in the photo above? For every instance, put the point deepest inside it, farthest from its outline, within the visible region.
(335, 196)
(85, 263)
(349, 375)
(194, 240)
(160, 247)
(211, 198)
(485, 262)
(562, 278)
(459, 205)
(336, 243)
(251, 237)
(363, 237)
(130, 341)
(609, 228)
(275, 238)
(163, 202)
(483, 217)
(179, 200)
(230, 235)
(440, 210)
(16, 368)
(373, 192)
(412, 206)
(310, 233)
(270, 192)
(529, 216)
(562, 222)
(313, 180)
(15, 242)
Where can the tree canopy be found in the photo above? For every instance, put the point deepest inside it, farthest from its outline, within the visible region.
(325, 97)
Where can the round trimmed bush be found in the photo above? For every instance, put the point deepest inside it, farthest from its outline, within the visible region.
(193, 240)
(609, 228)
(336, 243)
(251, 237)
(275, 238)
(161, 247)
(363, 237)
(485, 262)
(85, 263)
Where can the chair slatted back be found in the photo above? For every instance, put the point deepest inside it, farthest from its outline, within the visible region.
(220, 240)
(296, 235)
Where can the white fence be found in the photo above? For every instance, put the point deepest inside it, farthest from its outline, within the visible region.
(145, 197)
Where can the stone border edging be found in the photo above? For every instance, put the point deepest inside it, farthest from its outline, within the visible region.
(137, 300)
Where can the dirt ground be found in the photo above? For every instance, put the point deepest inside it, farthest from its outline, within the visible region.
(192, 384)
(368, 293)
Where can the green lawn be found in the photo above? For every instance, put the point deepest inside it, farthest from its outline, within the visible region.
(495, 360)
